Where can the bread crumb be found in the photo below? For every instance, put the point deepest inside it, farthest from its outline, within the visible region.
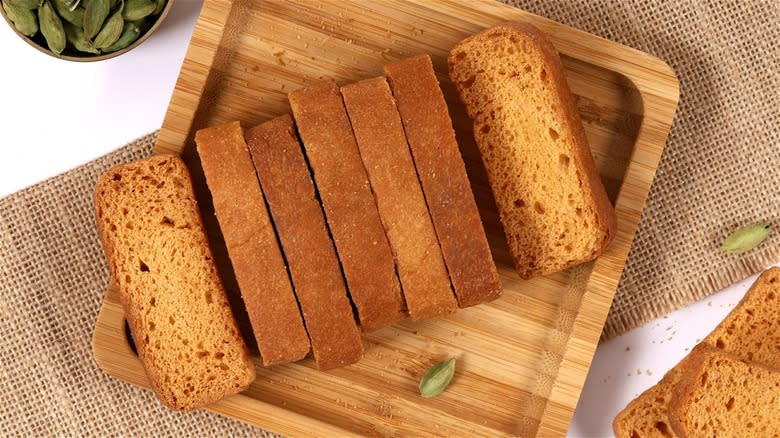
(709, 303)
(698, 340)
(638, 372)
(628, 348)
(669, 328)
(648, 372)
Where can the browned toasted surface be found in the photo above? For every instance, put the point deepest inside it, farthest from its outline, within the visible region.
(551, 201)
(174, 301)
(349, 205)
(443, 178)
(751, 331)
(311, 257)
(251, 243)
(722, 395)
(388, 162)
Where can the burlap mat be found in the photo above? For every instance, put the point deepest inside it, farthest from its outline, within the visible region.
(718, 171)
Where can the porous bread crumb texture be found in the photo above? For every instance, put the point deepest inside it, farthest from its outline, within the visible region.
(720, 395)
(178, 312)
(532, 148)
(751, 331)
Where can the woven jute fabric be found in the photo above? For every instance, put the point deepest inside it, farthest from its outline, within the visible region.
(718, 172)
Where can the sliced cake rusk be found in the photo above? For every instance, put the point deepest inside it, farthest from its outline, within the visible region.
(444, 181)
(388, 162)
(251, 243)
(174, 301)
(722, 395)
(553, 206)
(308, 249)
(751, 331)
(349, 205)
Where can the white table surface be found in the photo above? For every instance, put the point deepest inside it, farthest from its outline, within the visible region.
(57, 115)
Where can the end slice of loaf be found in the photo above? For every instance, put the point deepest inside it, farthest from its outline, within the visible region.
(184, 331)
(386, 157)
(722, 395)
(349, 205)
(751, 331)
(308, 249)
(251, 244)
(445, 184)
(550, 198)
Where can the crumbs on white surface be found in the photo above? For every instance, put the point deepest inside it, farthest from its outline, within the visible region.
(648, 372)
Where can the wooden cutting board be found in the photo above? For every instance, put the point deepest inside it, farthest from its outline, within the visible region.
(522, 359)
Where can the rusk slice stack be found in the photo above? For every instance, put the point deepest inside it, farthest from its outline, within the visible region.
(552, 203)
(251, 243)
(750, 331)
(349, 205)
(174, 301)
(444, 182)
(311, 258)
(388, 162)
(721, 395)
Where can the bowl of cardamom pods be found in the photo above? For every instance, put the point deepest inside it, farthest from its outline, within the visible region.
(84, 30)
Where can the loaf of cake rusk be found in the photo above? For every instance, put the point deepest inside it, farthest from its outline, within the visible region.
(251, 244)
(308, 249)
(550, 198)
(388, 162)
(174, 301)
(444, 181)
(349, 205)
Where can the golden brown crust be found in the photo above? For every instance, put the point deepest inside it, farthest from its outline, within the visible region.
(444, 181)
(388, 162)
(311, 257)
(160, 259)
(349, 205)
(489, 87)
(251, 243)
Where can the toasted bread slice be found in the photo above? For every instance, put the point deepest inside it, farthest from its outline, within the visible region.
(722, 395)
(174, 301)
(551, 201)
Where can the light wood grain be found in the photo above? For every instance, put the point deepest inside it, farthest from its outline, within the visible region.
(523, 358)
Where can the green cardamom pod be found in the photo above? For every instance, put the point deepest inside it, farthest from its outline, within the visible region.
(160, 6)
(24, 4)
(746, 238)
(437, 378)
(78, 40)
(75, 16)
(130, 33)
(111, 31)
(137, 9)
(24, 20)
(95, 13)
(51, 28)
